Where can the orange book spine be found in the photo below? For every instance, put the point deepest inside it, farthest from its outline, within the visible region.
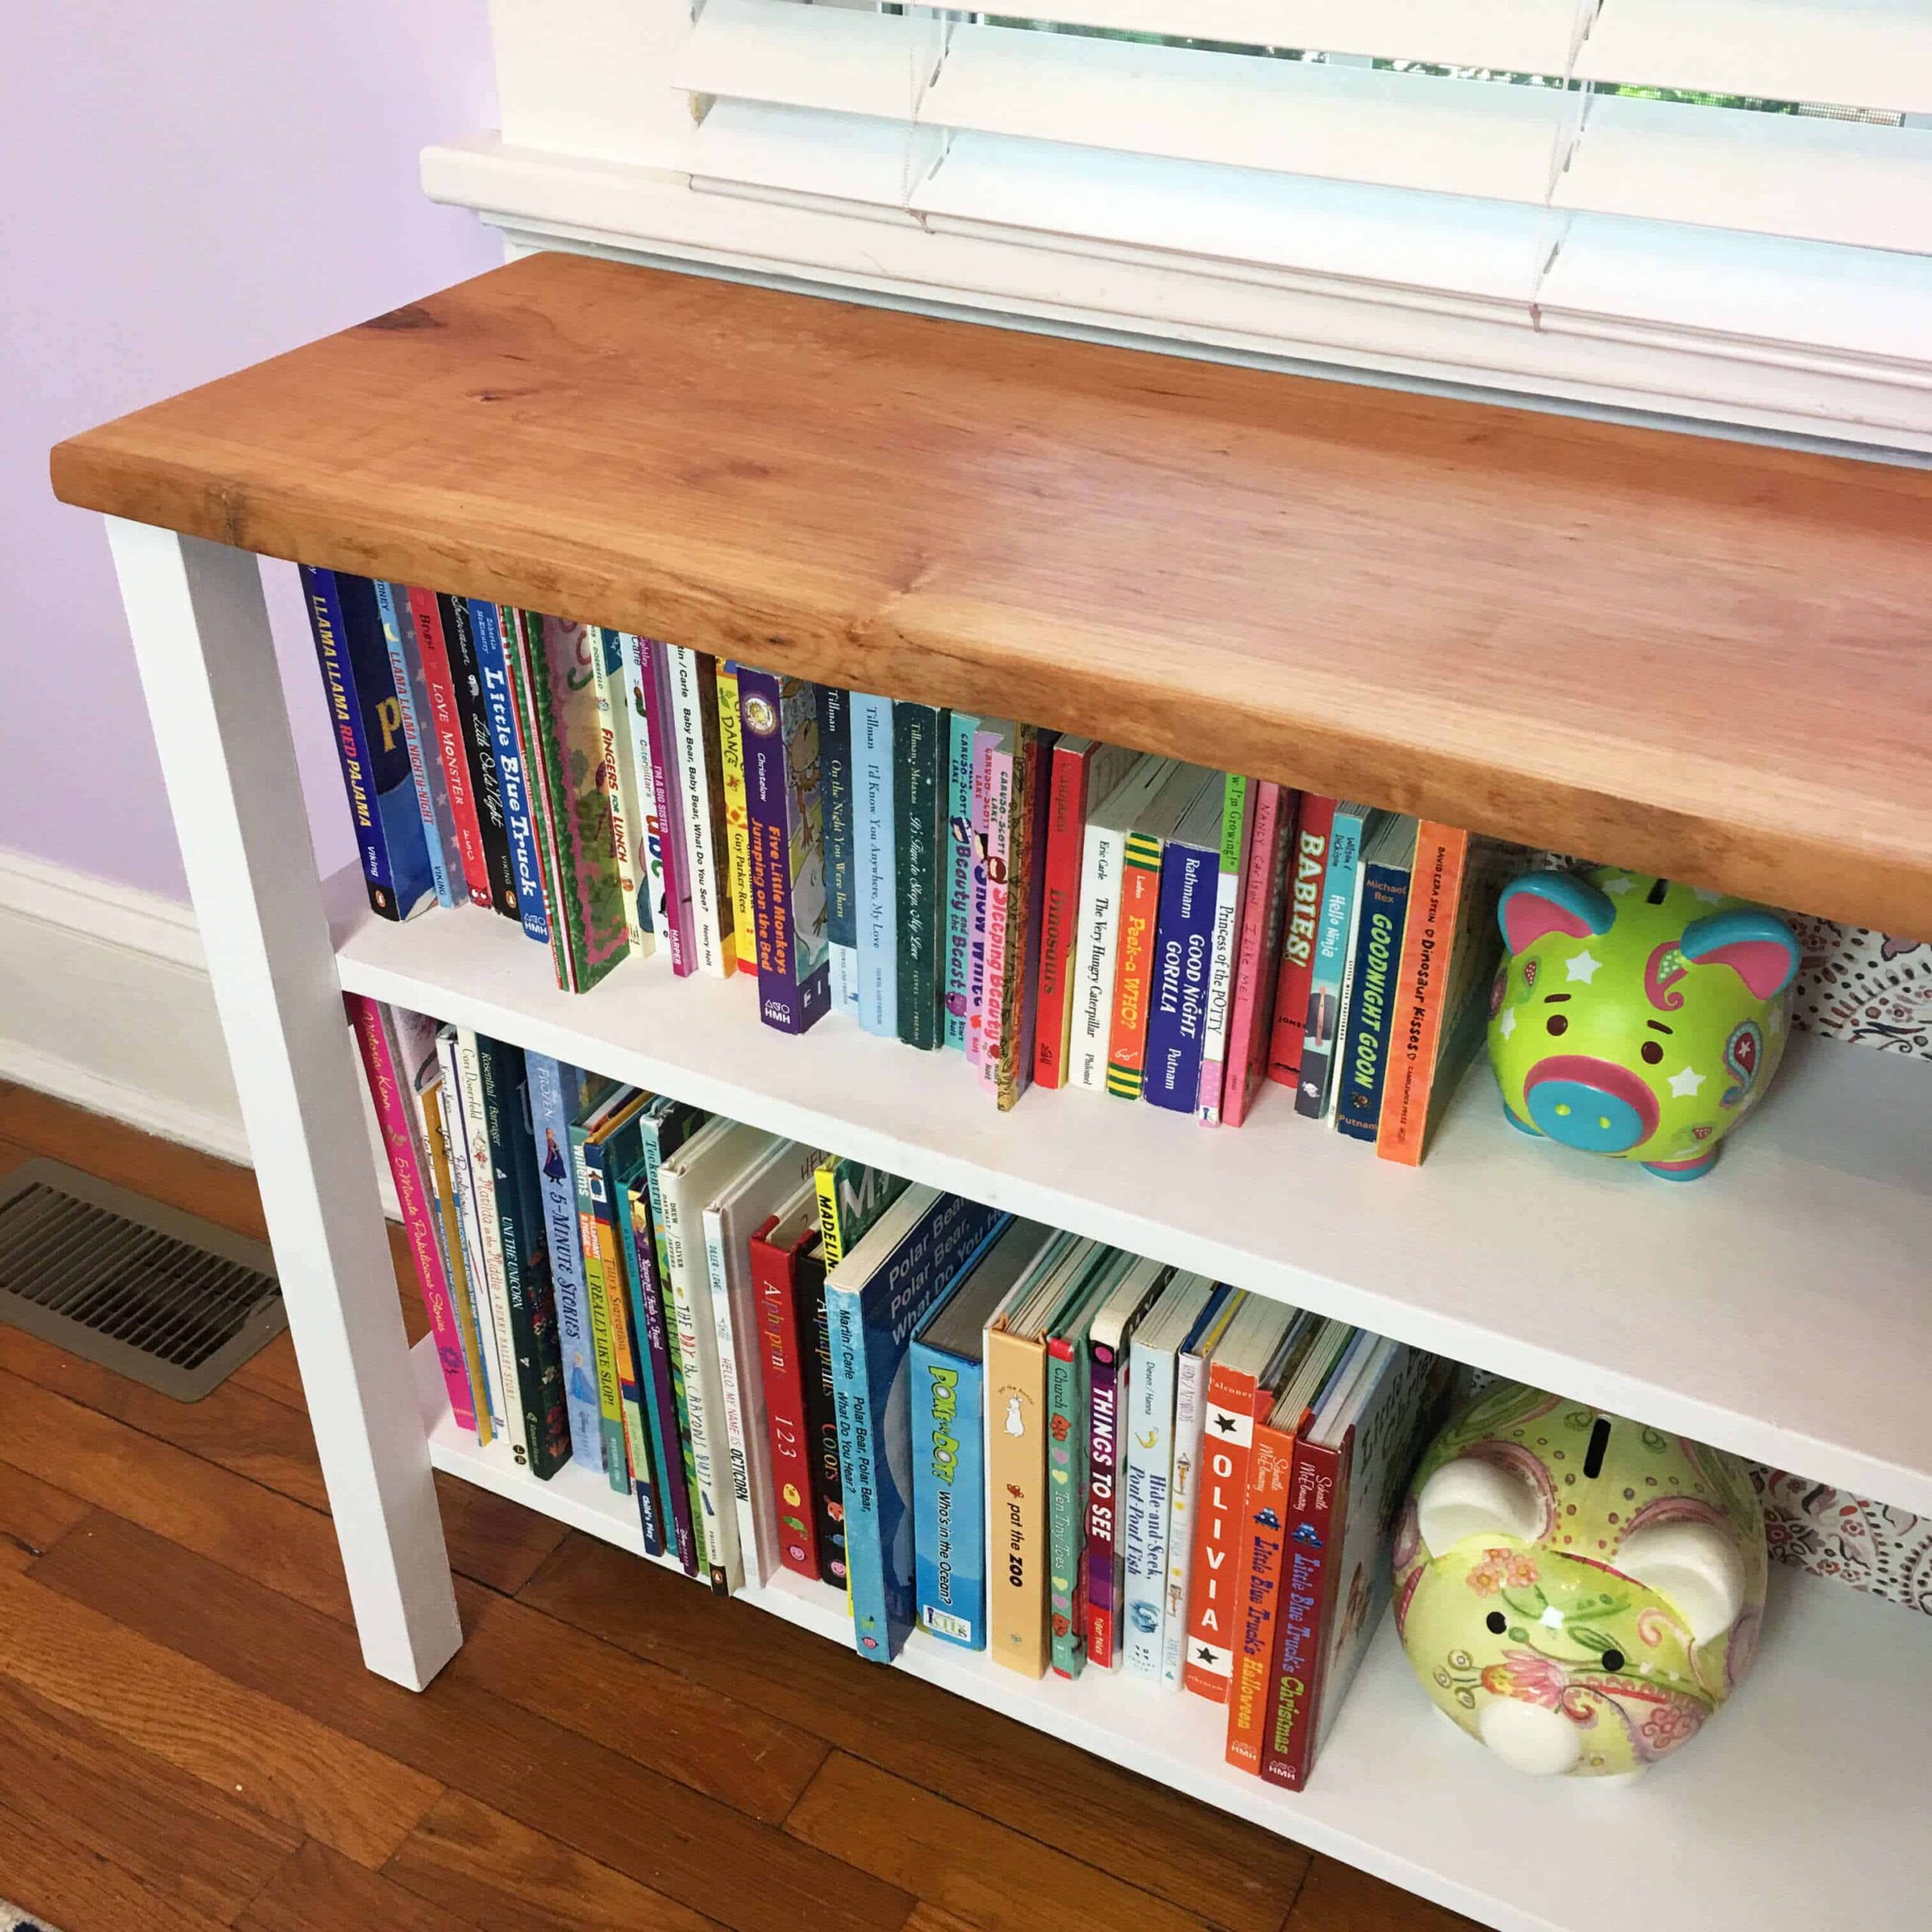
(1257, 1589)
(1442, 853)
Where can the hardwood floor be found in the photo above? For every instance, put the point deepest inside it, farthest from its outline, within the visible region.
(188, 1739)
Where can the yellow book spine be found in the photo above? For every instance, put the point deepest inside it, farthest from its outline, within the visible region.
(603, 1345)
(1017, 1561)
(466, 1310)
(738, 818)
(825, 1180)
(617, 1314)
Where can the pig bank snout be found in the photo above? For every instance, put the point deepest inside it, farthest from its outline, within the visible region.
(1591, 1104)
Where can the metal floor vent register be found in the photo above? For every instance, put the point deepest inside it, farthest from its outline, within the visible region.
(163, 1298)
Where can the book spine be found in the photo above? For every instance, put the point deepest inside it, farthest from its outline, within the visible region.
(1250, 1020)
(325, 624)
(733, 1388)
(647, 1289)
(948, 1497)
(984, 739)
(647, 841)
(617, 769)
(1103, 854)
(874, 865)
(779, 739)
(496, 1300)
(1257, 1579)
(458, 1109)
(447, 731)
(1211, 1622)
(1308, 1524)
(412, 693)
(842, 924)
(1429, 938)
(1364, 1053)
(1014, 1073)
(1017, 1558)
(1238, 798)
(597, 1316)
(1140, 913)
(960, 726)
(822, 1419)
(1177, 998)
(1000, 761)
(1102, 1501)
(1322, 1032)
(1066, 823)
(393, 1115)
(634, 1448)
(442, 1164)
(479, 749)
(694, 721)
(493, 668)
(1190, 1375)
(864, 1557)
(683, 1233)
(522, 656)
(1307, 867)
(737, 825)
(390, 773)
(550, 1125)
(1150, 1474)
(919, 735)
(667, 788)
(1067, 1503)
(781, 1365)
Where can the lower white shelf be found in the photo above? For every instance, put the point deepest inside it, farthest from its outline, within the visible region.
(1803, 1806)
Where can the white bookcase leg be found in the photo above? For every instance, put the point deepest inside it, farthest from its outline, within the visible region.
(208, 666)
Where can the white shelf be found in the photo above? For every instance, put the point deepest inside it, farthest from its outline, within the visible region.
(1805, 1794)
(1781, 1308)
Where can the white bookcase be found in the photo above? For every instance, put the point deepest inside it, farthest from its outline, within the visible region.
(1782, 1309)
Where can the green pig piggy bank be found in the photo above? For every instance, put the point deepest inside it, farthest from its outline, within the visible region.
(1578, 1592)
(1636, 1018)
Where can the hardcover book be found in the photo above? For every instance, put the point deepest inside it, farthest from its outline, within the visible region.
(774, 1252)
(737, 819)
(962, 726)
(1191, 1367)
(1387, 863)
(469, 1174)
(1014, 1071)
(366, 716)
(874, 1298)
(492, 671)
(617, 771)
(1184, 949)
(435, 1097)
(919, 793)
(479, 746)
(785, 851)
(658, 871)
(875, 865)
(693, 682)
(986, 733)
(851, 1197)
(1250, 1020)
(1307, 866)
(524, 675)
(1334, 940)
(449, 735)
(842, 923)
(412, 689)
(1238, 803)
(1000, 752)
(822, 1416)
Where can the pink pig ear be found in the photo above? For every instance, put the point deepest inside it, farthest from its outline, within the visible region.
(1541, 903)
(1755, 944)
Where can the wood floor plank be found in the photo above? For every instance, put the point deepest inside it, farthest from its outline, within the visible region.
(273, 1373)
(189, 1840)
(749, 1875)
(496, 1542)
(1154, 1838)
(319, 1890)
(1338, 1898)
(34, 1516)
(80, 1891)
(754, 1763)
(512, 1879)
(988, 1876)
(292, 1768)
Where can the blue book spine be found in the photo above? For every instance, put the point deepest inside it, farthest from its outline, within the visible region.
(842, 923)
(493, 667)
(1364, 1064)
(629, 1461)
(550, 1129)
(1183, 948)
(959, 874)
(652, 1342)
(875, 881)
(1333, 932)
(871, 1330)
(425, 766)
(948, 1496)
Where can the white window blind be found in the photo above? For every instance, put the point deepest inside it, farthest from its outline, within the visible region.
(1711, 207)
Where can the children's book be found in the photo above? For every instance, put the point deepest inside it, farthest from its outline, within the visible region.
(617, 771)
(822, 1414)
(647, 714)
(962, 726)
(1111, 1344)
(1001, 748)
(1014, 1071)
(693, 681)
(412, 688)
(1239, 797)
(921, 856)
(462, 1116)
(365, 716)
(1251, 1016)
(1184, 950)
(915, 1253)
(1307, 867)
(493, 1302)
(841, 922)
(1388, 862)
(737, 821)
(948, 1440)
(479, 748)
(1169, 1326)
(442, 1171)
(875, 865)
(987, 733)
(494, 672)
(521, 659)
(1191, 1366)
(447, 739)
(1328, 983)
(773, 1252)
(851, 1198)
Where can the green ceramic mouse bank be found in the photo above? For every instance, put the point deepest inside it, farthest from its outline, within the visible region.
(1636, 1018)
(1578, 1592)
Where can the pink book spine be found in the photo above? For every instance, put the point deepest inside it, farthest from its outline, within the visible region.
(667, 797)
(999, 852)
(393, 1116)
(976, 951)
(1249, 1019)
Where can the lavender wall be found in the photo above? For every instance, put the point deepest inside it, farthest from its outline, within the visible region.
(189, 188)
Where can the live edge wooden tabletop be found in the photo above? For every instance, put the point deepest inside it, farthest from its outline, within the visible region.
(1694, 656)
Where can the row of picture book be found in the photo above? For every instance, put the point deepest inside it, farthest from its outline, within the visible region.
(1004, 1436)
(1063, 913)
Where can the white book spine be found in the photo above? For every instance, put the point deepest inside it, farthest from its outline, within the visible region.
(619, 766)
(1099, 940)
(697, 1355)
(648, 858)
(495, 1300)
(1238, 796)
(1190, 1392)
(1150, 1408)
(700, 841)
(731, 1389)
(469, 1233)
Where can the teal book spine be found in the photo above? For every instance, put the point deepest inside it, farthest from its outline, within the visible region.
(949, 1496)
(961, 727)
(919, 744)
(1363, 1065)
(1067, 1399)
(1334, 930)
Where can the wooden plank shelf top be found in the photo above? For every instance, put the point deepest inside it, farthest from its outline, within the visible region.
(1700, 658)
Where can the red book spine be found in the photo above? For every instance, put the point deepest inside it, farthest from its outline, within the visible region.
(1250, 1020)
(1311, 1528)
(1257, 1593)
(447, 723)
(1308, 860)
(1066, 826)
(1232, 1399)
(773, 1277)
